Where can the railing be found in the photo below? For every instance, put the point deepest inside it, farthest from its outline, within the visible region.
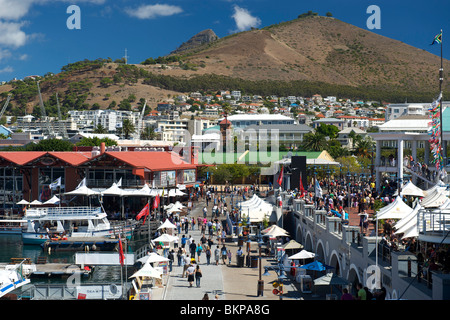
(434, 223)
(63, 211)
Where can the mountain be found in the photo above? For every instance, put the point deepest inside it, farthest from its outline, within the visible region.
(201, 38)
(323, 49)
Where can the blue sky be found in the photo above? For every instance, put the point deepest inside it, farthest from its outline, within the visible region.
(34, 38)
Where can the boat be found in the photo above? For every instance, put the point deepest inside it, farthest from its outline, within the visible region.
(60, 223)
(12, 226)
(11, 278)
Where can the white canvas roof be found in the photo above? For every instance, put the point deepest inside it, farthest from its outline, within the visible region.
(397, 210)
(410, 189)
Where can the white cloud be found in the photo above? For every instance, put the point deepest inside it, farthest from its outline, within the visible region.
(244, 20)
(6, 69)
(153, 11)
(11, 34)
(14, 9)
(4, 54)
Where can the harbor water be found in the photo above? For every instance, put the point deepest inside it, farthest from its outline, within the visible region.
(12, 247)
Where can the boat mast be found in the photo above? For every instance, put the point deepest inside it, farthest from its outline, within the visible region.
(441, 79)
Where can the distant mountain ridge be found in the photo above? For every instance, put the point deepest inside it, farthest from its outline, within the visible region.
(201, 38)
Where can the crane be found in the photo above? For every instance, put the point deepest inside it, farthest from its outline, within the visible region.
(43, 113)
(5, 106)
(140, 121)
(62, 127)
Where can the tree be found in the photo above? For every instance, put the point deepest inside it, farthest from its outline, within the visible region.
(364, 147)
(99, 129)
(51, 145)
(314, 142)
(328, 130)
(106, 82)
(127, 128)
(148, 133)
(95, 141)
(329, 14)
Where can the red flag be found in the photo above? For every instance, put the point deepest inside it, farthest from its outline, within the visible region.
(302, 190)
(144, 213)
(121, 255)
(280, 177)
(156, 202)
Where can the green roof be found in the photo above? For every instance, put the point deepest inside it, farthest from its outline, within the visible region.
(252, 157)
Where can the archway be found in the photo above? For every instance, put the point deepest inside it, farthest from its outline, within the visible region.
(308, 242)
(320, 252)
(335, 263)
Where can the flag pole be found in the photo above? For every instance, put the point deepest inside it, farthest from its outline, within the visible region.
(441, 79)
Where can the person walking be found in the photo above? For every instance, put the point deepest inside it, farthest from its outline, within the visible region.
(193, 248)
(191, 274)
(199, 251)
(217, 255)
(198, 276)
(208, 255)
(224, 254)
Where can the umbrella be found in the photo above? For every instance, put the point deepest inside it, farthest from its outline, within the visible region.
(330, 279)
(302, 255)
(36, 203)
(152, 257)
(316, 266)
(52, 200)
(275, 231)
(23, 201)
(147, 271)
(292, 245)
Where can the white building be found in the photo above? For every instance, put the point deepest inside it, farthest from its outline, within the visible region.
(245, 120)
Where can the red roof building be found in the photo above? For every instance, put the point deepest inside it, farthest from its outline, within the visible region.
(28, 174)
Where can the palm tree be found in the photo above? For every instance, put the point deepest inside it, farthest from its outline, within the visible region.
(314, 142)
(364, 147)
(149, 133)
(127, 128)
(99, 129)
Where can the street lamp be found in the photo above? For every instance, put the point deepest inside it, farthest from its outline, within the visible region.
(281, 276)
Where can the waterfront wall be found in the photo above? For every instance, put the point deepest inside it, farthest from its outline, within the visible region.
(354, 256)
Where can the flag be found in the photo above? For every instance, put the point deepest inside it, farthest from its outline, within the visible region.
(318, 190)
(121, 255)
(280, 177)
(437, 39)
(301, 189)
(55, 184)
(82, 183)
(144, 213)
(156, 202)
(119, 184)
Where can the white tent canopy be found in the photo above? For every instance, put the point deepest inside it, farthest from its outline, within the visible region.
(165, 238)
(152, 257)
(23, 201)
(438, 186)
(147, 271)
(410, 189)
(434, 199)
(83, 191)
(396, 210)
(255, 209)
(114, 190)
(36, 203)
(167, 225)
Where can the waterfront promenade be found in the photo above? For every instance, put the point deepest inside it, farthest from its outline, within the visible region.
(229, 282)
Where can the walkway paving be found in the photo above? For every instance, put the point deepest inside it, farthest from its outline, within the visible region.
(229, 282)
